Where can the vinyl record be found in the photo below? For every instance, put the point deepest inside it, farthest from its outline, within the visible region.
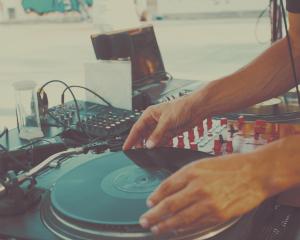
(105, 197)
(113, 189)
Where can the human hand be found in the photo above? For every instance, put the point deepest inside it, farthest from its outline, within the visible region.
(206, 193)
(159, 123)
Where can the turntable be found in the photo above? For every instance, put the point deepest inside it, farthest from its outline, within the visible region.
(101, 197)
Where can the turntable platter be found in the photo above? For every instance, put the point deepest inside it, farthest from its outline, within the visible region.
(105, 197)
(98, 193)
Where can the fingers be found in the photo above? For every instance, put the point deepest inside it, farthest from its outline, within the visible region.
(139, 130)
(183, 219)
(171, 185)
(169, 206)
(157, 135)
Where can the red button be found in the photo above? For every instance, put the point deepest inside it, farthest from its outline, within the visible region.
(191, 135)
(194, 146)
(180, 142)
(209, 123)
(229, 147)
(200, 131)
(223, 121)
(241, 122)
(260, 126)
(217, 146)
(170, 143)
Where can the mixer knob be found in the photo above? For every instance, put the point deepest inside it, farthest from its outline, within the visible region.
(180, 141)
(229, 146)
(191, 135)
(170, 143)
(200, 130)
(209, 123)
(217, 146)
(241, 122)
(260, 126)
(194, 146)
(223, 121)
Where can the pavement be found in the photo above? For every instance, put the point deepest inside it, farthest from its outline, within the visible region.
(200, 50)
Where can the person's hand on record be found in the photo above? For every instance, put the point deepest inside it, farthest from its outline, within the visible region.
(160, 123)
(206, 193)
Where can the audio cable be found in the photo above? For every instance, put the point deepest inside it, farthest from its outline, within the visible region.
(290, 51)
(88, 90)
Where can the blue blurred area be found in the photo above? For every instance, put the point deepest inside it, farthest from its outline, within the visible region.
(47, 6)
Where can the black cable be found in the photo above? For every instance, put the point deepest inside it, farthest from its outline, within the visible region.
(15, 160)
(4, 132)
(258, 21)
(290, 50)
(74, 98)
(87, 89)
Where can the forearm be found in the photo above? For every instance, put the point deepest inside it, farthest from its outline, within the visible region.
(277, 165)
(267, 76)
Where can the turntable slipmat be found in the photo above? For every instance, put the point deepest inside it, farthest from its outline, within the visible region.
(98, 193)
(105, 197)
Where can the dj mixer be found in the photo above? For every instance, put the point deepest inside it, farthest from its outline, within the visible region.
(59, 202)
(223, 136)
(96, 120)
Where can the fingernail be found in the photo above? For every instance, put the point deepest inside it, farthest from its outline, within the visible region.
(155, 230)
(144, 223)
(150, 204)
(150, 144)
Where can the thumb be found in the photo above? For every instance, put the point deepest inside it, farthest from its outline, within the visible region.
(157, 134)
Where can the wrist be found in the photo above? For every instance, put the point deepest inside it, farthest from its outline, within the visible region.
(198, 106)
(276, 166)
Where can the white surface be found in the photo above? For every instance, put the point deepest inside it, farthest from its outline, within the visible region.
(111, 80)
(24, 85)
(114, 15)
(200, 50)
(201, 6)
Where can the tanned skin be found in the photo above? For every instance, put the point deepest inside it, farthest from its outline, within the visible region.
(216, 190)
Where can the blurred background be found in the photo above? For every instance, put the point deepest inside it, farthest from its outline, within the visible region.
(203, 40)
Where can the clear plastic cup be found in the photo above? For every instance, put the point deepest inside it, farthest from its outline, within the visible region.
(28, 119)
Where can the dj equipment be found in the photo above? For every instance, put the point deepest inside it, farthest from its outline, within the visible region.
(101, 196)
(95, 120)
(98, 197)
(140, 46)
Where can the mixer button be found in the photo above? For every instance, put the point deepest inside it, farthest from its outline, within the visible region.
(209, 123)
(229, 147)
(217, 146)
(200, 130)
(194, 146)
(191, 135)
(180, 141)
(223, 121)
(260, 127)
(241, 122)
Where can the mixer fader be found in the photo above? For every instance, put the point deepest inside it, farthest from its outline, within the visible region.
(223, 136)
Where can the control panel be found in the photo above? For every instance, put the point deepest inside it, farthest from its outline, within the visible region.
(95, 120)
(224, 136)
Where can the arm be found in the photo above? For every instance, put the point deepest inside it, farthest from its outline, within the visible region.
(212, 191)
(267, 76)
